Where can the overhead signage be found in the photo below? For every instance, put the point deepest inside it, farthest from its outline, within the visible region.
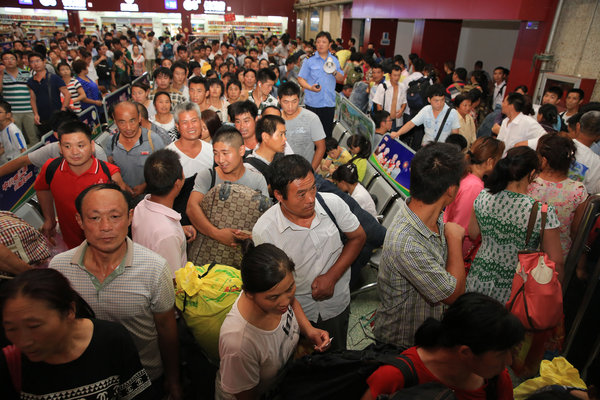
(130, 5)
(26, 2)
(74, 4)
(191, 5)
(171, 4)
(214, 7)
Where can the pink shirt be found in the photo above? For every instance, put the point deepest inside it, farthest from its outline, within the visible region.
(460, 209)
(157, 228)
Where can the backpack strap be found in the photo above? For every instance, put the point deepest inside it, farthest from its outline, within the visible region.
(13, 361)
(543, 225)
(150, 141)
(51, 169)
(442, 125)
(406, 367)
(105, 169)
(213, 177)
(258, 164)
(321, 201)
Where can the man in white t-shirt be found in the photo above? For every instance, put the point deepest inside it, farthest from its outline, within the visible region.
(308, 230)
(194, 153)
(391, 97)
(517, 127)
(149, 44)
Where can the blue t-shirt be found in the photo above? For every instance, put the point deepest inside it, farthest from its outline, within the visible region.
(312, 72)
(47, 99)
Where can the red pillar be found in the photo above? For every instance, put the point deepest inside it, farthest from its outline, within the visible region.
(74, 22)
(529, 43)
(436, 41)
(347, 31)
(186, 23)
(291, 25)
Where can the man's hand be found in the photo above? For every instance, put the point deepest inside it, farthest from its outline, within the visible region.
(36, 119)
(190, 232)
(315, 88)
(453, 231)
(139, 189)
(322, 287)
(230, 237)
(49, 230)
(2, 69)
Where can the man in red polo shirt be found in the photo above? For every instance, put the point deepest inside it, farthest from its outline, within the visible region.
(62, 179)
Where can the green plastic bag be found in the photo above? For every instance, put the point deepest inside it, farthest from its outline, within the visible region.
(204, 295)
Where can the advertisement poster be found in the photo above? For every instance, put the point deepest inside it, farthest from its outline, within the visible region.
(392, 159)
(91, 118)
(355, 121)
(110, 100)
(17, 187)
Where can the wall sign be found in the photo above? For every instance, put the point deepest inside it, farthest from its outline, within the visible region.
(214, 7)
(130, 5)
(170, 4)
(74, 4)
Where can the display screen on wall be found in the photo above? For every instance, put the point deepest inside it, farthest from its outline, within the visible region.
(170, 4)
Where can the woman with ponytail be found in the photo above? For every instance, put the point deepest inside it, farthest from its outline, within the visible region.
(468, 351)
(500, 214)
(481, 159)
(553, 186)
(261, 331)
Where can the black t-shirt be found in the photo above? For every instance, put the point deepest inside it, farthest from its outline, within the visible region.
(108, 369)
(103, 69)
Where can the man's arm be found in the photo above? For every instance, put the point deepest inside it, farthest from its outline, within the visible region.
(14, 165)
(323, 285)
(118, 179)
(203, 225)
(319, 153)
(405, 128)
(455, 265)
(306, 86)
(36, 116)
(47, 204)
(11, 263)
(166, 327)
(2, 69)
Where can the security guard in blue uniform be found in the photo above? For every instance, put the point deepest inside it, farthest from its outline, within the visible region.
(318, 76)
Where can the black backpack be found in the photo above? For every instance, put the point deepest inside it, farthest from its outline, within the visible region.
(416, 94)
(425, 391)
(54, 164)
(338, 374)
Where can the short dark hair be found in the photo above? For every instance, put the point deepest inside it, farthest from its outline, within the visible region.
(216, 82)
(379, 117)
(435, 90)
(198, 80)
(458, 140)
(96, 187)
(5, 105)
(229, 135)
(234, 82)
(504, 70)
(74, 127)
(580, 92)
(161, 170)
(434, 169)
(519, 162)
(325, 35)
(557, 90)
(288, 88)
(267, 124)
(35, 54)
(182, 48)
(346, 173)
(161, 93)
(549, 113)
(419, 64)
(331, 144)
(517, 100)
(179, 64)
(461, 73)
(242, 107)
(265, 74)
(286, 170)
(162, 71)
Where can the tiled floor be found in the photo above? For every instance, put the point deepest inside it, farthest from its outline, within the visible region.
(362, 307)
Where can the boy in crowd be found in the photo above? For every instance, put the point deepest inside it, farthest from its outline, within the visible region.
(383, 124)
(572, 102)
(270, 134)
(62, 179)
(180, 70)
(432, 116)
(12, 142)
(336, 156)
(228, 150)
(198, 91)
(422, 268)
(304, 130)
(155, 224)
(163, 78)
(265, 79)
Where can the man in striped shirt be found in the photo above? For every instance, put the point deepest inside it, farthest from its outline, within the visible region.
(15, 91)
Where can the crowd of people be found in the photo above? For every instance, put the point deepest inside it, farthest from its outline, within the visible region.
(259, 112)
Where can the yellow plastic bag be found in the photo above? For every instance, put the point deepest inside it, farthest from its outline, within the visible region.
(204, 294)
(556, 372)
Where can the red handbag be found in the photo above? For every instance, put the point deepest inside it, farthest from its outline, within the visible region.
(536, 295)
